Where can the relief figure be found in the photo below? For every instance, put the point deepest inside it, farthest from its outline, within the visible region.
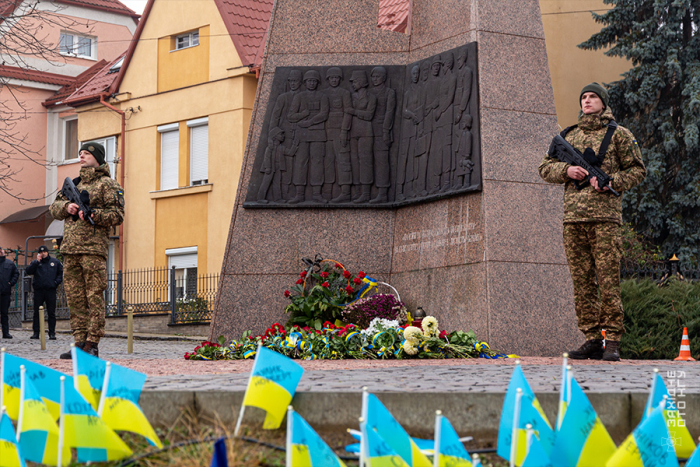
(425, 128)
(280, 121)
(411, 116)
(444, 116)
(309, 110)
(382, 127)
(274, 165)
(362, 111)
(431, 115)
(338, 167)
(463, 153)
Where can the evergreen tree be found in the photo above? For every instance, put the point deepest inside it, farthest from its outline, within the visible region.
(659, 101)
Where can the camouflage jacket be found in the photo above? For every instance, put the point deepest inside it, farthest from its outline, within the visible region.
(107, 204)
(622, 161)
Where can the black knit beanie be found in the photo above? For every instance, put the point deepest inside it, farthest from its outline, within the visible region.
(96, 149)
(596, 88)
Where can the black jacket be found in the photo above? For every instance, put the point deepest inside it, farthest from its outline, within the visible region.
(8, 275)
(48, 273)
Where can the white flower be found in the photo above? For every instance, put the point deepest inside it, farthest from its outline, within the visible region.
(430, 326)
(412, 334)
(409, 347)
(378, 325)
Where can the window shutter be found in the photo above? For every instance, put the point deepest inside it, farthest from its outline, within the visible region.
(199, 154)
(169, 155)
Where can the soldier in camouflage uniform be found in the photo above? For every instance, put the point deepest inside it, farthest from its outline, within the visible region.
(592, 218)
(84, 245)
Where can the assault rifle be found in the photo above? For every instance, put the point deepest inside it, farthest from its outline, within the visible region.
(81, 199)
(565, 152)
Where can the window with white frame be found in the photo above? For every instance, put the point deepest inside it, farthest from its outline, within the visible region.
(169, 156)
(184, 260)
(77, 45)
(70, 138)
(189, 39)
(110, 145)
(199, 151)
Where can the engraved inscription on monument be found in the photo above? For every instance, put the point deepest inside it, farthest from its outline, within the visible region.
(370, 136)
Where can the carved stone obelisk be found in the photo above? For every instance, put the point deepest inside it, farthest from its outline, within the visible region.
(460, 223)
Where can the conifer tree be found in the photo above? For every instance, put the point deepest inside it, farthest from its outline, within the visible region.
(659, 101)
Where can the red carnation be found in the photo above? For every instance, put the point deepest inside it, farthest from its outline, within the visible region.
(303, 274)
(349, 289)
(443, 334)
(338, 265)
(324, 274)
(325, 284)
(346, 274)
(357, 280)
(361, 275)
(287, 293)
(187, 355)
(300, 281)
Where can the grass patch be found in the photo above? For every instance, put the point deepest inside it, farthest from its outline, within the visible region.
(655, 317)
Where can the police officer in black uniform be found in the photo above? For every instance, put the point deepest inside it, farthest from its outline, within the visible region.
(48, 274)
(8, 278)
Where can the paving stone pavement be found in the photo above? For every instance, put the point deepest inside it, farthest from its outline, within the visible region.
(110, 347)
(414, 376)
(452, 378)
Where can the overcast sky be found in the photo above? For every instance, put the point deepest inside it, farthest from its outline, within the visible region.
(136, 5)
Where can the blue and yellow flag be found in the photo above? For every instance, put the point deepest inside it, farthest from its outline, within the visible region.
(448, 447)
(682, 440)
(694, 460)
(84, 430)
(530, 413)
(582, 440)
(89, 375)
(306, 448)
(649, 445)
(378, 452)
(272, 385)
(38, 432)
(46, 380)
(536, 457)
(378, 418)
(10, 453)
(120, 410)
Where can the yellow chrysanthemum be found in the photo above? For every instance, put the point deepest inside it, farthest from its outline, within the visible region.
(430, 326)
(410, 348)
(412, 334)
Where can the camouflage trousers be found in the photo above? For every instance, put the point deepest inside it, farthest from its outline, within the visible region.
(85, 280)
(593, 250)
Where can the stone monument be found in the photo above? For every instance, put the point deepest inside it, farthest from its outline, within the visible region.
(449, 210)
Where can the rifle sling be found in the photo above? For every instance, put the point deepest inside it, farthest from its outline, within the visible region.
(612, 126)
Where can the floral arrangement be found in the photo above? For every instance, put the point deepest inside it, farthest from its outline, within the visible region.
(321, 292)
(385, 306)
(383, 339)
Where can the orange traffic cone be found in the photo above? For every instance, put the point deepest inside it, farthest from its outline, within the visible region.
(684, 354)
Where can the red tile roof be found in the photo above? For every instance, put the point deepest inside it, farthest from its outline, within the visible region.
(69, 89)
(35, 75)
(98, 84)
(113, 6)
(247, 22)
(393, 15)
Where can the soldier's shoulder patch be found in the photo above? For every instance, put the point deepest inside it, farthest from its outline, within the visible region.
(51, 264)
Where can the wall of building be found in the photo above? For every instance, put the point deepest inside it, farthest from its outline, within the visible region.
(190, 215)
(566, 24)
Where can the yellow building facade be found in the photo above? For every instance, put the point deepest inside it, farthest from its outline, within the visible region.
(187, 94)
(566, 24)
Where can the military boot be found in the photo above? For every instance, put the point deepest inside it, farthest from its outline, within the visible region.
(592, 349)
(317, 196)
(364, 196)
(612, 351)
(299, 197)
(344, 196)
(91, 348)
(68, 355)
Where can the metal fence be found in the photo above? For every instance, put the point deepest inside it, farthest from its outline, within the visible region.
(188, 298)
